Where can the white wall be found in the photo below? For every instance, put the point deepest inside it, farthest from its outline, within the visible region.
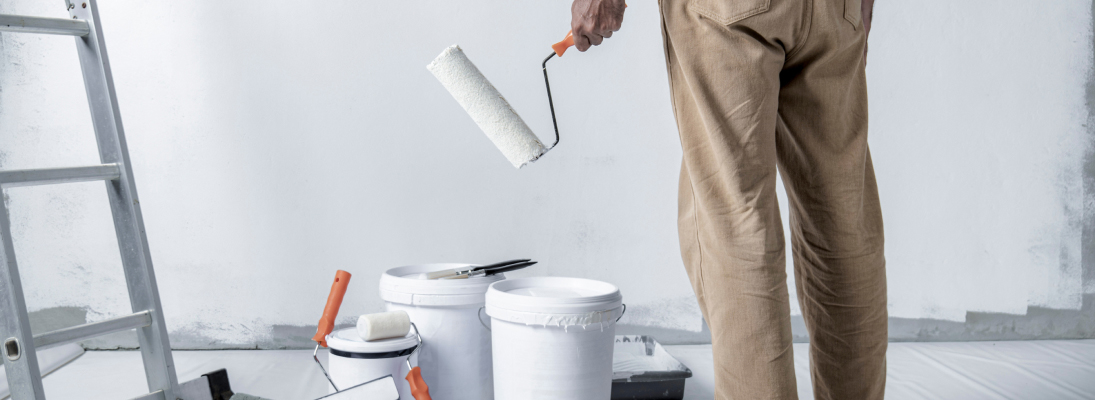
(276, 142)
(978, 123)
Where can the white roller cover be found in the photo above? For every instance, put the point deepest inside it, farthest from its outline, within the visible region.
(486, 106)
(383, 325)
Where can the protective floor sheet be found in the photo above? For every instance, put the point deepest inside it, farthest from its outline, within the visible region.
(958, 370)
(966, 370)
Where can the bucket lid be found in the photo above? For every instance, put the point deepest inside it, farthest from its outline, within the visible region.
(348, 340)
(401, 285)
(554, 301)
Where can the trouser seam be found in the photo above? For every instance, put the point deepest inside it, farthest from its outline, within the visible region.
(696, 231)
(691, 187)
(809, 26)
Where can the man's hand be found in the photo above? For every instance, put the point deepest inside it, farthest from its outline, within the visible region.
(594, 20)
(867, 11)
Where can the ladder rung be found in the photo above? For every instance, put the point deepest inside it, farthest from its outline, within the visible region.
(52, 26)
(94, 329)
(48, 176)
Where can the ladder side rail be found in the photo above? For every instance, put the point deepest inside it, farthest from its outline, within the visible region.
(24, 376)
(124, 204)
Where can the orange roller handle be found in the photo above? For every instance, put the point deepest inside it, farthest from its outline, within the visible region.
(565, 44)
(418, 386)
(334, 301)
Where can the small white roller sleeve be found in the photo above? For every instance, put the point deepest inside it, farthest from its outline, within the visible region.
(383, 325)
(486, 106)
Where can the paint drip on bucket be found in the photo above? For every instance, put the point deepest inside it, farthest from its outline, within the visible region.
(562, 328)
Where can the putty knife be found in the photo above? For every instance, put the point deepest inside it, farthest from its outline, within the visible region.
(467, 270)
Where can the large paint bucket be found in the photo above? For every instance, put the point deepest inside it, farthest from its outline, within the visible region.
(353, 361)
(456, 350)
(553, 337)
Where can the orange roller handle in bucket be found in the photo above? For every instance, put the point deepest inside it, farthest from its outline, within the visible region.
(334, 301)
(565, 44)
(418, 386)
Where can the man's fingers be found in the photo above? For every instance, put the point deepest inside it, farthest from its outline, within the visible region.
(594, 20)
(586, 40)
(595, 39)
(581, 43)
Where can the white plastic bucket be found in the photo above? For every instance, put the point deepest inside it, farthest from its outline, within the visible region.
(353, 361)
(553, 337)
(456, 354)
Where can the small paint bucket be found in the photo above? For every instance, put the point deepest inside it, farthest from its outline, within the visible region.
(456, 352)
(553, 337)
(353, 361)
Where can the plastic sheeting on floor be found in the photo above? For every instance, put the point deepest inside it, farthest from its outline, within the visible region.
(1027, 370)
(965, 370)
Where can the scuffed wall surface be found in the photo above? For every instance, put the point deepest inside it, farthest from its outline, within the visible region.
(274, 143)
(1089, 179)
(978, 120)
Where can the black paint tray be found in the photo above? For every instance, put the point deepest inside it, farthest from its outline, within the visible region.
(643, 370)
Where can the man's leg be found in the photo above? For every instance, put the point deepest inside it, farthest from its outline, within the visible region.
(836, 221)
(724, 58)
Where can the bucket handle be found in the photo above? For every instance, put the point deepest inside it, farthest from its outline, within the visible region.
(480, 316)
(315, 356)
(622, 312)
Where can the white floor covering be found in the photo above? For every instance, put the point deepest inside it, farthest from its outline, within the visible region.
(966, 370)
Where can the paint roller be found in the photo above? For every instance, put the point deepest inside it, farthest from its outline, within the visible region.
(386, 325)
(376, 326)
(489, 109)
(376, 389)
(395, 324)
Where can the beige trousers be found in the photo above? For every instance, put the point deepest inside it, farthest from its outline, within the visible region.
(758, 84)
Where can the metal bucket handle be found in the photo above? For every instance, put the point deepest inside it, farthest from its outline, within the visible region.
(417, 336)
(480, 316)
(316, 357)
(416, 348)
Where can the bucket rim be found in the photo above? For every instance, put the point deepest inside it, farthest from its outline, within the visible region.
(604, 296)
(348, 340)
(395, 287)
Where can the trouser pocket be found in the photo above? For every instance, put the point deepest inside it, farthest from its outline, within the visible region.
(727, 12)
(853, 10)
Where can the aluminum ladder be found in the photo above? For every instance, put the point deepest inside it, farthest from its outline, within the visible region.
(20, 359)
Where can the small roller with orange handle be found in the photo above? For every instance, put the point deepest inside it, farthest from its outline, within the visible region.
(396, 324)
(327, 324)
